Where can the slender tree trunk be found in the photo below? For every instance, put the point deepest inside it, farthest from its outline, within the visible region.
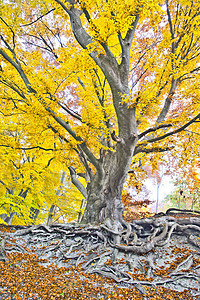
(50, 215)
(9, 218)
(80, 213)
(34, 212)
(53, 206)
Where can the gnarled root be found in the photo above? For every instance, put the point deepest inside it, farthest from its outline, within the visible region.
(147, 252)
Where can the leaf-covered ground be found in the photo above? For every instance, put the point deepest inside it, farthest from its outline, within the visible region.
(66, 261)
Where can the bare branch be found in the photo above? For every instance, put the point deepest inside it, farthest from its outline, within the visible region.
(86, 13)
(70, 111)
(175, 131)
(29, 148)
(48, 164)
(38, 18)
(2, 182)
(50, 50)
(153, 130)
(57, 36)
(154, 149)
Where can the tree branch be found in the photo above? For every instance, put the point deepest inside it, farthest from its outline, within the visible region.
(126, 46)
(38, 18)
(70, 111)
(76, 182)
(82, 37)
(84, 161)
(61, 137)
(170, 21)
(82, 145)
(175, 131)
(13, 36)
(2, 182)
(64, 124)
(107, 62)
(115, 137)
(153, 130)
(28, 148)
(10, 85)
(18, 68)
(167, 103)
(150, 150)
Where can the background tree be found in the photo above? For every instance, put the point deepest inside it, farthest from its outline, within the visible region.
(186, 193)
(31, 181)
(114, 81)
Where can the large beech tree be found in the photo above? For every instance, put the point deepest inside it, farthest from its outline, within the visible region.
(111, 80)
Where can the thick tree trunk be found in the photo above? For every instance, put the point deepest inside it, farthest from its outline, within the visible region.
(104, 192)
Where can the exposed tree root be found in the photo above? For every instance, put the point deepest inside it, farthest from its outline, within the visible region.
(145, 254)
(175, 210)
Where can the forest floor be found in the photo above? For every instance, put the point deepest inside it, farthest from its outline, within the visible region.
(39, 262)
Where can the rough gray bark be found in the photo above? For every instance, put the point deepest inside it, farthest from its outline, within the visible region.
(105, 188)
